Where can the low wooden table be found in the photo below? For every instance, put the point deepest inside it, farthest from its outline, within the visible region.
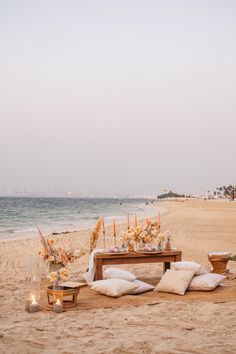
(165, 257)
(63, 293)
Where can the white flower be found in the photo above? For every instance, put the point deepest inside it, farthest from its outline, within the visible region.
(53, 276)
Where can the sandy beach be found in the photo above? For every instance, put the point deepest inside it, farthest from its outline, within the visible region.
(199, 322)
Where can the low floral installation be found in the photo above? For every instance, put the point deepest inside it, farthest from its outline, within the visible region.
(61, 275)
(57, 255)
(145, 235)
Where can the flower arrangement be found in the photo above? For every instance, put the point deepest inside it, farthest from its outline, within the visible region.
(151, 232)
(59, 255)
(132, 236)
(148, 234)
(61, 275)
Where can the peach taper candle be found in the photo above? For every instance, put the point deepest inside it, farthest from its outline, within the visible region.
(159, 220)
(114, 231)
(104, 233)
(128, 225)
(135, 220)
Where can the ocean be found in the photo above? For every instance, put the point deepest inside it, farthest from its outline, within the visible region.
(19, 217)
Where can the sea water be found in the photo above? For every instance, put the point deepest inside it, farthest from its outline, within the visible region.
(19, 217)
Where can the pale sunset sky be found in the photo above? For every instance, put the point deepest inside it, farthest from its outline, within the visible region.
(117, 97)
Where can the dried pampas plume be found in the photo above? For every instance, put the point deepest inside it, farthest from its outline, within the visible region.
(95, 235)
(46, 246)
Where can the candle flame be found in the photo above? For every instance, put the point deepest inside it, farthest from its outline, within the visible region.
(58, 302)
(34, 302)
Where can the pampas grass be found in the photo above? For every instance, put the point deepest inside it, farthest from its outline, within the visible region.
(46, 246)
(95, 234)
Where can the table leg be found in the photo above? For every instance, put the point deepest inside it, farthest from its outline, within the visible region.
(98, 272)
(166, 266)
(75, 299)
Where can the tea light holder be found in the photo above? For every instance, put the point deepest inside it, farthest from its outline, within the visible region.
(57, 298)
(32, 303)
(57, 306)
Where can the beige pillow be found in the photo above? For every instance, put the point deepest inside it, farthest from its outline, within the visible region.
(175, 281)
(118, 273)
(206, 282)
(113, 287)
(142, 287)
(196, 267)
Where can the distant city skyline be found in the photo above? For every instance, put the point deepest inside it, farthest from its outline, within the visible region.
(117, 98)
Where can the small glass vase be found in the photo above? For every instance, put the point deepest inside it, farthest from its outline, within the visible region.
(54, 267)
(161, 246)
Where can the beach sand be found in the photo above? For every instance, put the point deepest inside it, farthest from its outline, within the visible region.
(199, 322)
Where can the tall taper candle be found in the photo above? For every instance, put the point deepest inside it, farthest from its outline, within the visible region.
(114, 231)
(128, 227)
(159, 219)
(104, 233)
(135, 220)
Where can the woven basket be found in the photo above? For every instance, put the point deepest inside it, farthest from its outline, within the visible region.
(218, 263)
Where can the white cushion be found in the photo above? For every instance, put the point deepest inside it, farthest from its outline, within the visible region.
(206, 282)
(196, 267)
(113, 287)
(115, 273)
(175, 281)
(142, 287)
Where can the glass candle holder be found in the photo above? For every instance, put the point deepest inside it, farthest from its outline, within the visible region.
(57, 298)
(33, 279)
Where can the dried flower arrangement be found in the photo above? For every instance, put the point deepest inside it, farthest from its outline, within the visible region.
(149, 233)
(133, 235)
(61, 275)
(59, 255)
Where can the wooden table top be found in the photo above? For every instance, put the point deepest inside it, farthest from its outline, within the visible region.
(138, 254)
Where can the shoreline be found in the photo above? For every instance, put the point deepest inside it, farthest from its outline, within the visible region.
(120, 220)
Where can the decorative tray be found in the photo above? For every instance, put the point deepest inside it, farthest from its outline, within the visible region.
(151, 252)
(110, 253)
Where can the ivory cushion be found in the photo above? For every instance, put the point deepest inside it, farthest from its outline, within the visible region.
(116, 273)
(206, 282)
(175, 281)
(113, 287)
(196, 267)
(142, 287)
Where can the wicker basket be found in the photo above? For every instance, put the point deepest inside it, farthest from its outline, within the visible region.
(219, 263)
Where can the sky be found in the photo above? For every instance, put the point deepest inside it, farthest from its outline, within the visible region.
(117, 97)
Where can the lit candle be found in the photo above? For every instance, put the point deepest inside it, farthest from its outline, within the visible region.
(33, 306)
(135, 220)
(57, 307)
(128, 227)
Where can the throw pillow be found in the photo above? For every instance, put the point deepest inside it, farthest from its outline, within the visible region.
(113, 287)
(206, 282)
(115, 273)
(196, 267)
(142, 287)
(175, 281)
